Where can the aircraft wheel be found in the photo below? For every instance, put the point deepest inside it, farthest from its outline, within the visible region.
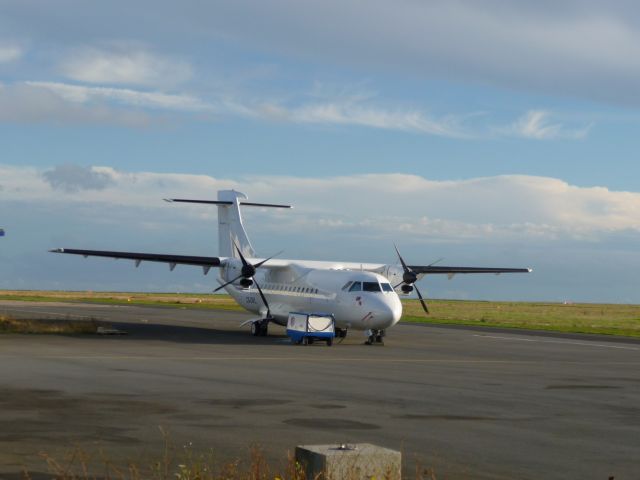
(329, 342)
(264, 329)
(255, 329)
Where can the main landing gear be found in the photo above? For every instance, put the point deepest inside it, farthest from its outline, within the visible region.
(260, 328)
(375, 337)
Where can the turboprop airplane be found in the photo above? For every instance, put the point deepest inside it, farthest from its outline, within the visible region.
(360, 296)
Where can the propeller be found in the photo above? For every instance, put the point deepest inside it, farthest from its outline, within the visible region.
(409, 278)
(247, 274)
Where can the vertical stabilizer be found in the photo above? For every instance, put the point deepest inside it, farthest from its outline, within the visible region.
(230, 227)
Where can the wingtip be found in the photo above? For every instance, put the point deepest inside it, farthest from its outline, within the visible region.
(168, 200)
(57, 250)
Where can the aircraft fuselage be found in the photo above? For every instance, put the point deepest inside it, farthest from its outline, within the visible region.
(369, 304)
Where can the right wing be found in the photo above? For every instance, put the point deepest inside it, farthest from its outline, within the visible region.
(431, 269)
(205, 262)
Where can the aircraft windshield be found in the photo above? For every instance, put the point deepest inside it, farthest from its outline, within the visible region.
(356, 287)
(371, 286)
(386, 287)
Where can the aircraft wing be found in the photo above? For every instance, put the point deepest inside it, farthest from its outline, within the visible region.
(433, 269)
(205, 262)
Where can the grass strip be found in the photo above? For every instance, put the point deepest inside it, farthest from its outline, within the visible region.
(10, 324)
(603, 319)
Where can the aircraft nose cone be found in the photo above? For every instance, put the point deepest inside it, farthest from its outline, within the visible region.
(388, 312)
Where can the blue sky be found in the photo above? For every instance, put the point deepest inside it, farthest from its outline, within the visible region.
(486, 132)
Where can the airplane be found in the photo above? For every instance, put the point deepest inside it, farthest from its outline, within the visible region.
(360, 296)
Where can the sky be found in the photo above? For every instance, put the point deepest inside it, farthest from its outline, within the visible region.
(485, 132)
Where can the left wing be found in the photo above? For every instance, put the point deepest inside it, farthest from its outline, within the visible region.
(431, 269)
(205, 262)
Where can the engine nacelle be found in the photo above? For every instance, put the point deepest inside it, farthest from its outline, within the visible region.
(394, 274)
(246, 282)
(406, 289)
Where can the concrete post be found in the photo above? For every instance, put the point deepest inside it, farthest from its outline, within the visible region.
(349, 462)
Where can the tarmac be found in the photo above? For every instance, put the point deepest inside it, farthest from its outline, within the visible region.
(469, 403)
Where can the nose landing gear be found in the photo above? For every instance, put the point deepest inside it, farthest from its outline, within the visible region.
(375, 337)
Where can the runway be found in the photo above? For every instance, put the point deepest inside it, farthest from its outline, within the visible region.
(470, 403)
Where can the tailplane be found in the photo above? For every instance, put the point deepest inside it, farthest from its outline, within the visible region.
(230, 227)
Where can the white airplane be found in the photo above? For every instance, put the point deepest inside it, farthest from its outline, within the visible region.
(360, 296)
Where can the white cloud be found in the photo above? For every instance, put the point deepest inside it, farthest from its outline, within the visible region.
(124, 96)
(24, 103)
(126, 65)
(330, 113)
(568, 48)
(499, 208)
(73, 178)
(9, 53)
(333, 113)
(36, 98)
(538, 125)
(574, 48)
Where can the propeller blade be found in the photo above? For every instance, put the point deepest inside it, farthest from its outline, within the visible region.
(222, 286)
(264, 300)
(424, 304)
(404, 265)
(244, 261)
(437, 261)
(259, 264)
(398, 285)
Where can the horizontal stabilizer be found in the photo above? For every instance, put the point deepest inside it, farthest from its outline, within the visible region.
(225, 202)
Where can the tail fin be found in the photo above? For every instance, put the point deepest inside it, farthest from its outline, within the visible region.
(230, 227)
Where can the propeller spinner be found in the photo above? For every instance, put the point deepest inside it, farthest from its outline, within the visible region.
(409, 278)
(247, 276)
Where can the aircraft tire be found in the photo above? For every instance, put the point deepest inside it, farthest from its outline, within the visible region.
(264, 329)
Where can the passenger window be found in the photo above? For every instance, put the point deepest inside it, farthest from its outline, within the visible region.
(356, 287)
(386, 287)
(371, 286)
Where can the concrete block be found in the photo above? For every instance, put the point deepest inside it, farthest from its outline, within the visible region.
(357, 461)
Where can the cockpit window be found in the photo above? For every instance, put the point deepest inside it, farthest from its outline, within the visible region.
(386, 287)
(371, 286)
(356, 287)
(346, 286)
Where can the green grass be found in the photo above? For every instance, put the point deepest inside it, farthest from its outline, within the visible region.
(606, 319)
(9, 324)
(178, 300)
